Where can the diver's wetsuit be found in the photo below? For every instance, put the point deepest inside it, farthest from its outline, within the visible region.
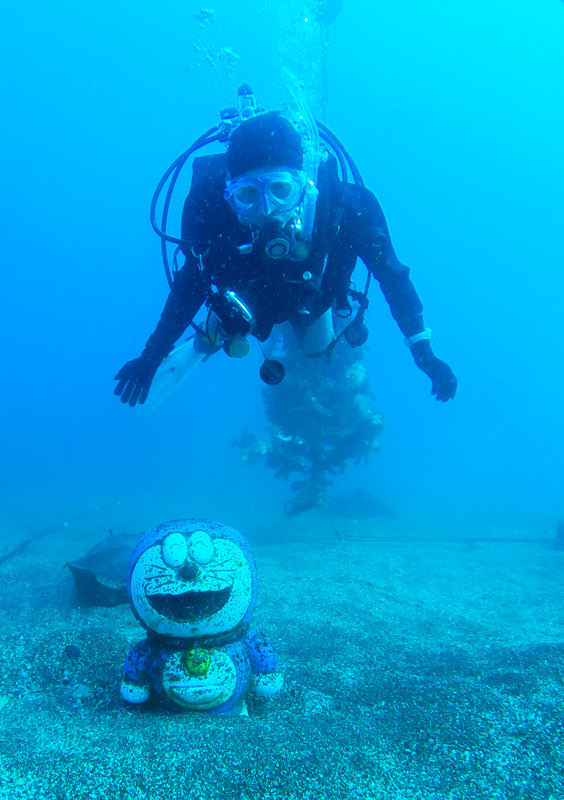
(346, 227)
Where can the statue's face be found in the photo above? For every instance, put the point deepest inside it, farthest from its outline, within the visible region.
(191, 582)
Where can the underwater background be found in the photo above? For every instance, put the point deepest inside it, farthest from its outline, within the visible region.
(422, 649)
(454, 115)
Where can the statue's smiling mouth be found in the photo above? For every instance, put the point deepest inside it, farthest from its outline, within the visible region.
(190, 606)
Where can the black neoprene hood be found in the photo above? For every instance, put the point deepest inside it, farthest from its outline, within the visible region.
(267, 140)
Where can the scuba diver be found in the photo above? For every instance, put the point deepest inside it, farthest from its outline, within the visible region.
(271, 232)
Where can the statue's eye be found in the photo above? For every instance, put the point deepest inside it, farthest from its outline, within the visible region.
(200, 547)
(175, 550)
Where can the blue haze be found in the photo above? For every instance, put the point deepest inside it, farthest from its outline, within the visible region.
(454, 114)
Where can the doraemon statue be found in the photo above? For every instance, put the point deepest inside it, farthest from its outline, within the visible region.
(192, 584)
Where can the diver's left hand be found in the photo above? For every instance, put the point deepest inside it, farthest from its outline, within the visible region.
(443, 378)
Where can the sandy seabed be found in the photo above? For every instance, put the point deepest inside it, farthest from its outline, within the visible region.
(415, 667)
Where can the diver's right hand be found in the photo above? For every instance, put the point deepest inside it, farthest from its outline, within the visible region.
(135, 380)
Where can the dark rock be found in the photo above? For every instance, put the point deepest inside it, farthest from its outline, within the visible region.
(100, 576)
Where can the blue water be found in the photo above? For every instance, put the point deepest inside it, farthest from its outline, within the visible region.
(454, 114)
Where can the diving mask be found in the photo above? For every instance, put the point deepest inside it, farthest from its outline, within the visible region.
(266, 194)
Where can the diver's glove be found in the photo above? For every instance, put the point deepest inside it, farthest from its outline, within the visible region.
(443, 378)
(135, 379)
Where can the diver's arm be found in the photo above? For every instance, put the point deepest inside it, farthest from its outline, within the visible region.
(186, 297)
(372, 242)
(376, 250)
